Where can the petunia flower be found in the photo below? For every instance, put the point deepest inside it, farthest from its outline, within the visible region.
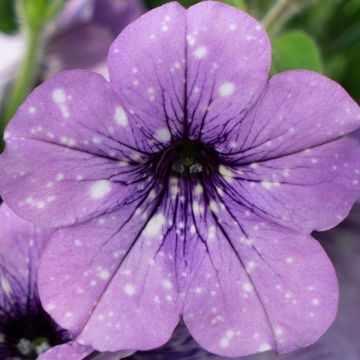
(340, 342)
(27, 332)
(187, 187)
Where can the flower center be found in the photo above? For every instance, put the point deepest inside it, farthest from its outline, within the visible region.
(187, 158)
(26, 333)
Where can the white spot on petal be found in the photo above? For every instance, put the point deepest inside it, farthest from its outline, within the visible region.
(59, 96)
(167, 284)
(315, 302)
(104, 274)
(32, 110)
(191, 39)
(100, 188)
(247, 287)
(120, 116)
(40, 204)
(226, 173)
(50, 306)
(129, 289)
(227, 89)
(163, 135)
(200, 52)
(264, 347)
(6, 286)
(224, 342)
(213, 206)
(154, 226)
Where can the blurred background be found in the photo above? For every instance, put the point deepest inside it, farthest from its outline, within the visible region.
(39, 38)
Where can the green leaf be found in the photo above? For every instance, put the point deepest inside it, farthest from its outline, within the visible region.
(7, 16)
(295, 50)
(240, 4)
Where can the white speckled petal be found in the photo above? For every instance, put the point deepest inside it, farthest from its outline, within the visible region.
(119, 281)
(299, 109)
(331, 346)
(296, 159)
(269, 289)
(177, 72)
(75, 351)
(69, 143)
(228, 59)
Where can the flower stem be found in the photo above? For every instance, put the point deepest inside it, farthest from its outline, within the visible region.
(25, 78)
(281, 12)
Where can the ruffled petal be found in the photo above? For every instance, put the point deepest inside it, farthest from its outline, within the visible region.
(139, 61)
(68, 351)
(182, 346)
(68, 147)
(228, 59)
(296, 158)
(257, 289)
(120, 279)
(75, 351)
(182, 74)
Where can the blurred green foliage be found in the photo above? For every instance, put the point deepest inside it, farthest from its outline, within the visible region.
(7, 16)
(295, 50)
(335, 26)
(324, 36)
(38, 12)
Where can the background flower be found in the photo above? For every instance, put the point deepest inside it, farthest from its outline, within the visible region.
(84, 31)
(26, 330)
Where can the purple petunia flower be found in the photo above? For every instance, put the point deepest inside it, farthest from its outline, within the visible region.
(26, 331)
(187, 186)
